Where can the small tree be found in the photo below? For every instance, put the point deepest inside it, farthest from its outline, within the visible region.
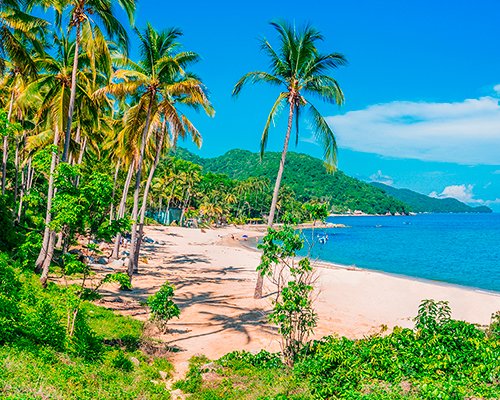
(162, 306)
(315, 211)
(293, 311)
(432, 315)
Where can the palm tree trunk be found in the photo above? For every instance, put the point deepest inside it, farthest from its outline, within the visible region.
(47, 235)
(184, 206)
(71, 108)
(167, 212)
(142, 214)
(5, 155)
(115, 178)
(134, 255)
(121, 209)
(48, 258)
(25, 187)
(260, 278)
(80, 159)
(16, 171)
(31, 173)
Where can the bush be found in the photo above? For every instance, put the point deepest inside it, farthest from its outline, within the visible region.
(121, 278)
(121, 361)
(42, 324)
(9, 296)
(84, 342)
(162, 307)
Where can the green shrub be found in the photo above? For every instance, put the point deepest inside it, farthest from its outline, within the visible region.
(263, 359)
(42, 323)
(494, 328)
(121, 361)
(162, 307)
(121, 278)
(85, 342)
(9, 297)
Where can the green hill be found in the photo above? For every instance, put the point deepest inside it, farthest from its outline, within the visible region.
(422, 203)
(306, 176)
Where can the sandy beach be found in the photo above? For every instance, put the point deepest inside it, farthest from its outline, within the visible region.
(214, 275)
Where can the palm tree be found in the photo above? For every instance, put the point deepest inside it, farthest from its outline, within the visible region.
(157, 82)
(17, 26)
(86, 17)
(49, 94)
(299, 69)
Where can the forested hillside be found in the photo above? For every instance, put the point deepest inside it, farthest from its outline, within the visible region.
(306, 176)
(421, 203)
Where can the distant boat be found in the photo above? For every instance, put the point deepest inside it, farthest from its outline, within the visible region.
(322, 238)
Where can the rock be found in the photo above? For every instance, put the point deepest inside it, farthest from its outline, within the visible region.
(148, 240)
(101, 267)
(89, 259)
(117, 263)
(163, 374)
(135, 361)
(102, 260)
(208, 367)
(125, 253)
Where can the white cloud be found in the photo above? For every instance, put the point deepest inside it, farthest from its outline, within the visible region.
(463, 193)
(496, 88)
(380, 177)
(466, 132)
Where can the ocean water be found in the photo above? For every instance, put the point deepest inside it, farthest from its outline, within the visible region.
(461, 249)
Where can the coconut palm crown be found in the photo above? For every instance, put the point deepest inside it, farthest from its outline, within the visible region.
(299, 70)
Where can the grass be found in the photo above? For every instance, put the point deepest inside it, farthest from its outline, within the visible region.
(28, 371)
(235, 380)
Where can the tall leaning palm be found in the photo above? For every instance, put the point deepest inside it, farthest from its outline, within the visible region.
(299, 70)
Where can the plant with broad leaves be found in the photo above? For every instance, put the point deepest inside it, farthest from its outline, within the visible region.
(119, 277)
(315, 211)
(294, 314)
(432, 315)
(162, 306)
(278, 247)
(293, 311)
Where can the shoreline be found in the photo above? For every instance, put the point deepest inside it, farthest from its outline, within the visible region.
(214, 275)
(335, 265)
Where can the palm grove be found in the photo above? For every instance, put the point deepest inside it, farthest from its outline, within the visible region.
(87, 136)
(88, 132)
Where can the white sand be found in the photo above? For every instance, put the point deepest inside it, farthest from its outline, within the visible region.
(215, 276)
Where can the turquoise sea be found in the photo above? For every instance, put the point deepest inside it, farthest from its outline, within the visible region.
(461, 249)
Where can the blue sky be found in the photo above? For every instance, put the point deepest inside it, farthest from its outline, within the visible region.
(422, 85)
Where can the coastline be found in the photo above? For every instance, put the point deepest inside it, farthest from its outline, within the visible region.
(214, 273)
(319, 263)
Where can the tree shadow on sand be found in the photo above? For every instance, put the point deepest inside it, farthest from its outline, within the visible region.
(222, 323)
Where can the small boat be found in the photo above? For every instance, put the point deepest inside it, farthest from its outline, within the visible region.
(322, 238)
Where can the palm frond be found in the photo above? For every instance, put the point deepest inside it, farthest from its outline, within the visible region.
(278, 104)
(256, 77)
(324, 134)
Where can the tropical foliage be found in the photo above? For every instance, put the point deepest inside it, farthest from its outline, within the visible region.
(440, 358)
(341, 192)
(88, 153)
